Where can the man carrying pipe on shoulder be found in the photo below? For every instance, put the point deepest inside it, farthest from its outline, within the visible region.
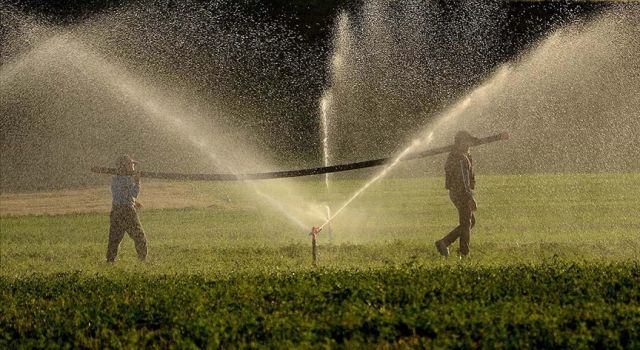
(460, 181)
(125, 187)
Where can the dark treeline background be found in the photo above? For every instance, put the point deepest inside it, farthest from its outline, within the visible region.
(526, 20)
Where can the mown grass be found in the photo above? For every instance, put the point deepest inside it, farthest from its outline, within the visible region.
(554, 264)
(527, 219)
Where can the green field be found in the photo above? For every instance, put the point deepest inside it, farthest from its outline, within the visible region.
(553, 264)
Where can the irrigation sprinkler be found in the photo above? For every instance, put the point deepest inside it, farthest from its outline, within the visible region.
(298, 172)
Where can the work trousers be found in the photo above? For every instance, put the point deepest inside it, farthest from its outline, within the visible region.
(466, 219)
(125, 219)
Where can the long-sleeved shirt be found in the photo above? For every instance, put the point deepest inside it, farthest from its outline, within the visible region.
(459, 173)
(124, 190)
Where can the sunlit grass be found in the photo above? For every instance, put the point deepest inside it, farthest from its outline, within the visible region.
(521, 219)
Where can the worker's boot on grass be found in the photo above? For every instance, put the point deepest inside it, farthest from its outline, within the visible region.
(442, 248)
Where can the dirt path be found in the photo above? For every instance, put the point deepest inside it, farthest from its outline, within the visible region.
(154, 195)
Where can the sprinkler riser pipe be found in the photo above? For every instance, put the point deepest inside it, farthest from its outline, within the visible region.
(314, 250)
(314, 243)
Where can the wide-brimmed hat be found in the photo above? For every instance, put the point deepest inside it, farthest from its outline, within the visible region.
(464, 136)
(124, 160)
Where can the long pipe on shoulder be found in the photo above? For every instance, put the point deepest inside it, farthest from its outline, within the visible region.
(299, 172)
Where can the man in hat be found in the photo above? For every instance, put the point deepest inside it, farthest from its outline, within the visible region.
(460, 181)
(125, 187)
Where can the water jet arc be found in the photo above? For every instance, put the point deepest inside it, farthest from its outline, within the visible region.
(298, 172)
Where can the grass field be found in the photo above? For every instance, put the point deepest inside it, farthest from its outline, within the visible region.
(553, 264)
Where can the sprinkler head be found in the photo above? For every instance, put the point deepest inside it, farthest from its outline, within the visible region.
(504, 135)
(315, 231)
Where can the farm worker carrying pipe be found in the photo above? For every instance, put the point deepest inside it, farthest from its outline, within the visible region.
(125, 187)
(460, 181)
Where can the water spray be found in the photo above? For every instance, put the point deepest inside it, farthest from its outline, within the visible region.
(329, 229)
(406, 154)
(325, 103)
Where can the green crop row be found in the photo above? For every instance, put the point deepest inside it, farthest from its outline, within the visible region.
(552, 305)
